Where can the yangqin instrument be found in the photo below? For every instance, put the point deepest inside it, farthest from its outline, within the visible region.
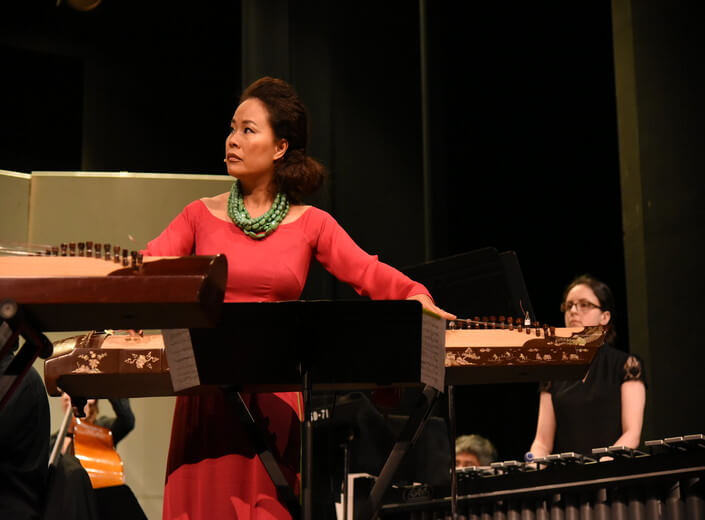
(85, 292)
(104, 365)
(131, 365)
(509, 351)
(86, 289)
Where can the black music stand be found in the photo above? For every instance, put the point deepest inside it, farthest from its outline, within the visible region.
(285, 346)
(482, 283)
(13, 324)
(479, 282)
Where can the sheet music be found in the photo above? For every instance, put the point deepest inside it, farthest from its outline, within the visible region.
(433, 336)
(182, 362)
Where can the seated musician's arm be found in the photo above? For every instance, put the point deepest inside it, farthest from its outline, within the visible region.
(349, 263)
(545, 427)
(124, 421)
(633, 396)
(178, 237)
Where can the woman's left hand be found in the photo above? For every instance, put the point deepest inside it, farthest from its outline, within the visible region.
(428, 304)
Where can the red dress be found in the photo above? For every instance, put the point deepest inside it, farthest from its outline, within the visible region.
(212, 470)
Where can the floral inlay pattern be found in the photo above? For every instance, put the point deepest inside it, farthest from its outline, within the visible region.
(514, 356)
(89, 363)
(142, 360)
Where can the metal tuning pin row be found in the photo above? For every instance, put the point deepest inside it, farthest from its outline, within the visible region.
(97, 250)
(491, 322)
(503, 323)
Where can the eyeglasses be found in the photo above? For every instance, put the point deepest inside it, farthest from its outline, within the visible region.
(582, 305)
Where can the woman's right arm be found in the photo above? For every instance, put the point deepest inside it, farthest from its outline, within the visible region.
(178, 239)
(545, 428)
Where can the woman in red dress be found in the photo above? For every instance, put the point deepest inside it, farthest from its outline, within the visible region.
(269, 238)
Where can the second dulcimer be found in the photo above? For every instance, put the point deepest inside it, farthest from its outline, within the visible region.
(478, 351)
(115, 289)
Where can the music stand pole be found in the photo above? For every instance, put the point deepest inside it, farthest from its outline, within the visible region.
(265, 452)
(453, 472)
(307, 470)
(406, 440)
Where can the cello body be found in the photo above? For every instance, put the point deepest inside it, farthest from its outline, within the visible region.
(93, 447)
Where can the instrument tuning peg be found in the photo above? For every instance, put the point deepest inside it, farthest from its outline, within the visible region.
(81, 249)
(116, 254)
(106, 249)
(72, 248)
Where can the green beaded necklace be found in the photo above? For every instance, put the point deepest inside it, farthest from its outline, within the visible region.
(259, 227)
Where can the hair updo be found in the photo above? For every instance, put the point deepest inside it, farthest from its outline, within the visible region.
(295, 174)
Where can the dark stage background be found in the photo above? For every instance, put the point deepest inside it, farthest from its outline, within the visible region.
(522, 153)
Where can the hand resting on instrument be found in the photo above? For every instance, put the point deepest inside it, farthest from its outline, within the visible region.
(428, 304)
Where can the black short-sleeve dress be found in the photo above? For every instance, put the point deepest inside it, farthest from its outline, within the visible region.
(589, 412)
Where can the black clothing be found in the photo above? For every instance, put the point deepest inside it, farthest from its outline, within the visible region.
(122, 423)
(118, 503)
(589, 412)
(70, 492)
(24, 453)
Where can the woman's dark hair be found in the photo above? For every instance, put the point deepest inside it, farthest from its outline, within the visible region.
(604, 296)
(296, 174)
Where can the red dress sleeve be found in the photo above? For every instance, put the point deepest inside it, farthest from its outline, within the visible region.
(345, 260)
(178, 239)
